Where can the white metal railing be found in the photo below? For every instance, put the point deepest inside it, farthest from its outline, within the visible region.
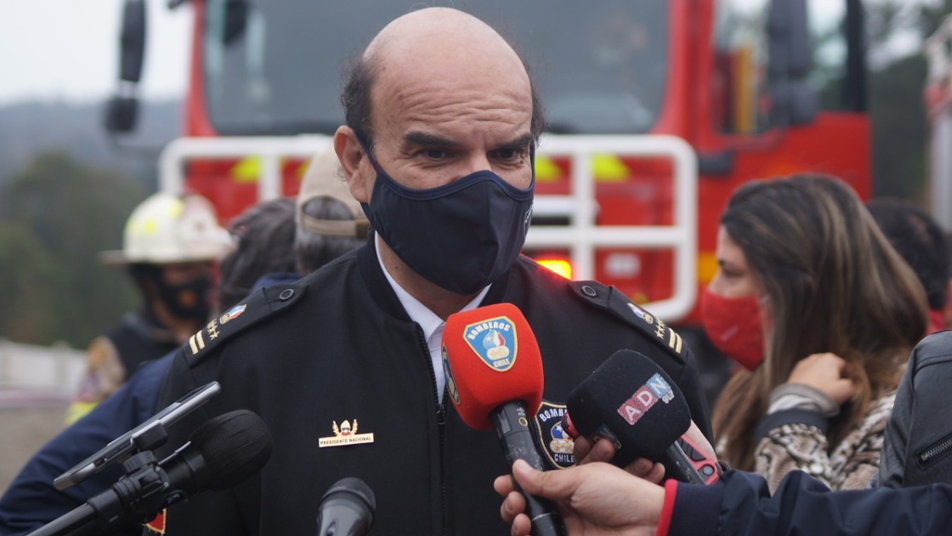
(55, 369)
(271, 151)
(581, 237)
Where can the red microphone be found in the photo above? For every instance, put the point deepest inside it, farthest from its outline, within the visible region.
(494, 378)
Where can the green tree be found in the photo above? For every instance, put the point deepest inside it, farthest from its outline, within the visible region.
(55, 217)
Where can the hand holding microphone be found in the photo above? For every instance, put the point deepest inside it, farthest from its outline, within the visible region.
(494, 377)
(595, 498)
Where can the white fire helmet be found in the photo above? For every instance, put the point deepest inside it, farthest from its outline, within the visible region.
(167, 228)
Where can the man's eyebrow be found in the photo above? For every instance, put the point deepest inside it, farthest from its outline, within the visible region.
(422, 139)
(517, 143)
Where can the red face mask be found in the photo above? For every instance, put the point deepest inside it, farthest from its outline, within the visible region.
(735, 327)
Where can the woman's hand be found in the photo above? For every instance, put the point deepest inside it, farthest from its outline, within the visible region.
(824, 372)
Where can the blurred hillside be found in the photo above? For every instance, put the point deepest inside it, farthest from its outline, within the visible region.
(29, 128)
(65, 193)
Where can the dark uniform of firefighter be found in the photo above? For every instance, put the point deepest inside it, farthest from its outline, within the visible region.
(344, 365)
(169, 245)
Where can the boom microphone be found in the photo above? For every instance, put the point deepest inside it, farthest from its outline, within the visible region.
(347, 509)
(630, 401)
(494, 377)
(219, 454)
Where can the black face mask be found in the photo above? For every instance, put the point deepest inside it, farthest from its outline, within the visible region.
(461, 236)
(189, 300)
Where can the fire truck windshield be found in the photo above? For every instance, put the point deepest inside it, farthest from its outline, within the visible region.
(274, 67)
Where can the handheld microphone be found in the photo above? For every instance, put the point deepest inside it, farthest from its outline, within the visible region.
(630, 401)
(494, 377)
(219, 454)
(347, 509)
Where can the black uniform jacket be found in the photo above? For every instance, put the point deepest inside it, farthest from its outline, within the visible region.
(338, 347)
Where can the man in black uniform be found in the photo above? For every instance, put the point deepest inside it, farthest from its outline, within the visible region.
(344, 365)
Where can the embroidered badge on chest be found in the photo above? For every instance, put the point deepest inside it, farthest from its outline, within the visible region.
(555, 442)
(345, 434)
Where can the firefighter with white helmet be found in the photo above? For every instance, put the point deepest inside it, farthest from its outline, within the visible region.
(170, 244)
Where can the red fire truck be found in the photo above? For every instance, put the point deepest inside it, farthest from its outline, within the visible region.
(657, 111)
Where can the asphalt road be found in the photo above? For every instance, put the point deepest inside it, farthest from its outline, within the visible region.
(23, 430)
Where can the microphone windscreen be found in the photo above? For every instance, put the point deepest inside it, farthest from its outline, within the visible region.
(632, 402)
(234, 445)
(352, 488)
(490, 357)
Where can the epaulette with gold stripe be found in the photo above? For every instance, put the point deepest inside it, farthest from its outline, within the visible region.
(263, 304)
(621, 306)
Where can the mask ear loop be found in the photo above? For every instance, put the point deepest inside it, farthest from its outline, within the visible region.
(370, 154)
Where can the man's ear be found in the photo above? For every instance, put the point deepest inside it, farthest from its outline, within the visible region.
(354, 163)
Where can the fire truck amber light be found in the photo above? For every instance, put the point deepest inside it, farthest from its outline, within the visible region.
(559, 266)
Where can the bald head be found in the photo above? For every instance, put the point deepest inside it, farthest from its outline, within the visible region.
(423, 47)
(428, 32)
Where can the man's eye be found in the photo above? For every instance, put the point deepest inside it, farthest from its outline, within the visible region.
(508, 154)
(435, 154)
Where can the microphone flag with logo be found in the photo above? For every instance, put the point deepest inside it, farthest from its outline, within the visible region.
(490, 356)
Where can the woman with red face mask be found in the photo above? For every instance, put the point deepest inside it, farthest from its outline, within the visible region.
(822, 313)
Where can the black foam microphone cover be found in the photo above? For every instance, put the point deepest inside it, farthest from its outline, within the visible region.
(347, 509)
(234, 446)
(631, 401)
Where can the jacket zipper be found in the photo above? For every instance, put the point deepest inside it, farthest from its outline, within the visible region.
(934, 451)
(441, 427)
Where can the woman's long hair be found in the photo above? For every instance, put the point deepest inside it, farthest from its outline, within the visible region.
(833, 284)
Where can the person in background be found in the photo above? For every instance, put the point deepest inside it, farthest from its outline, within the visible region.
(919, 240)
(821, 312)
(272, 241)
(170, 244)
(328, 219)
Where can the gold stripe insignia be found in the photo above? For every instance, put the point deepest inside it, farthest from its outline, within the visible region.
(191, 342)
(201, 340)
(675, 341)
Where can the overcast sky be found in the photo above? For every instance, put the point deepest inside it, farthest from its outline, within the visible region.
(68, 50)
